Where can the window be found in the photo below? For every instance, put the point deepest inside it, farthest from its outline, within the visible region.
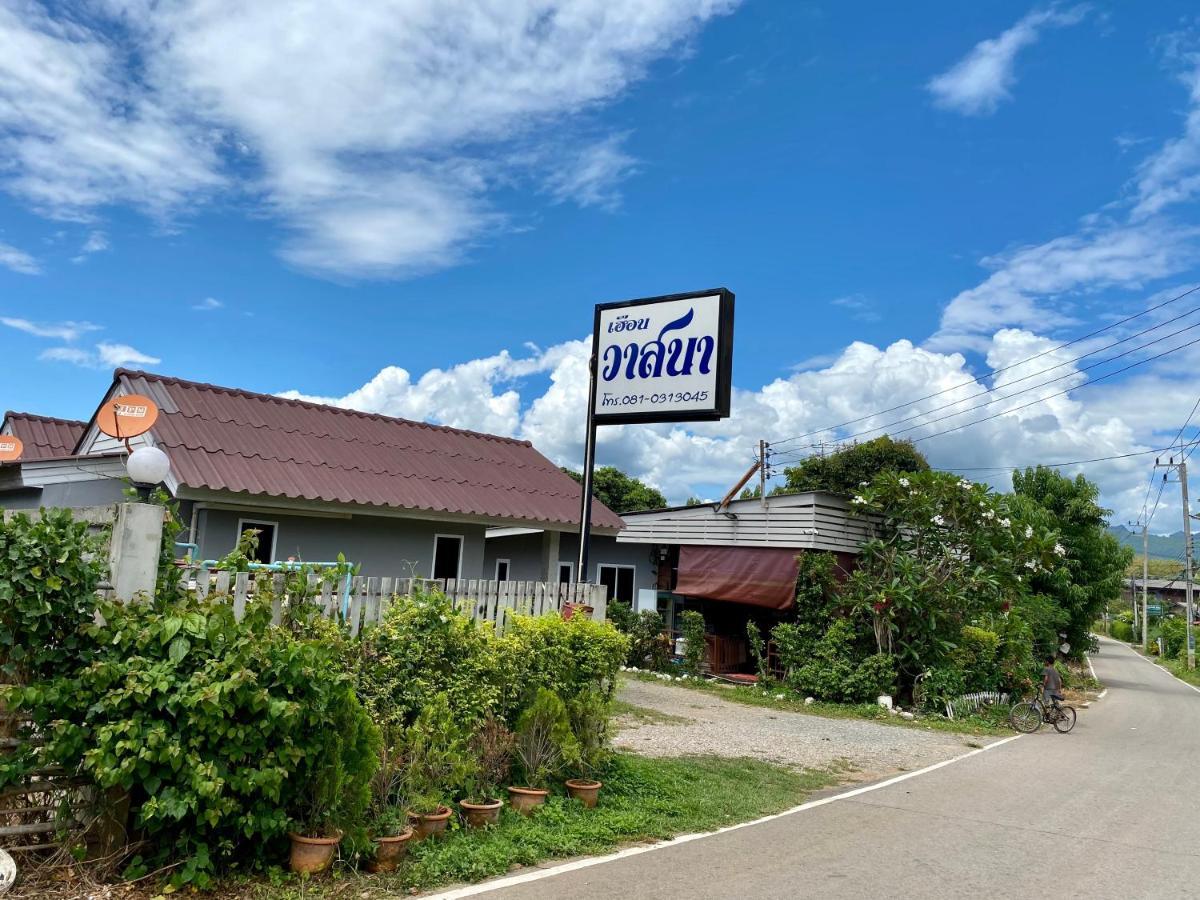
(619, 581)
(267, 532)
(502, 569)
(447, 556)
(566, 572)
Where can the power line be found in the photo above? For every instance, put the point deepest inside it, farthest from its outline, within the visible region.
(995, 372)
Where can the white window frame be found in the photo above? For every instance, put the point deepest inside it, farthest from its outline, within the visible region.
(599, 566)
(462, 546)
(508, 572)
(570, 571)
(243, 523)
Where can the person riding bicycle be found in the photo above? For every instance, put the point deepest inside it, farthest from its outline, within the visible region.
(1051, 683)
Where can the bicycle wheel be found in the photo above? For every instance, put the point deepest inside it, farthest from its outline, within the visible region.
(1066, 719)
(1026, 717)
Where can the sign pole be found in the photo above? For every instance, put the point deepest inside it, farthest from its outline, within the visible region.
(589, 466)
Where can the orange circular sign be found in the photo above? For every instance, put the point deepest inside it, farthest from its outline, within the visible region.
(10, 448)
(126, 417)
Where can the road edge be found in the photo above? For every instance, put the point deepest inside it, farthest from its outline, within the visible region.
(1162, 669)
(575, 865)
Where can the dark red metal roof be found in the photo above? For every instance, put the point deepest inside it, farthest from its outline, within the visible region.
(44, 437)
(225, 439)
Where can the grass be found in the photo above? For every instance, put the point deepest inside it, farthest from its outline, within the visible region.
(642, 799)
(1177, 667)
(645, 716)
(989, 722)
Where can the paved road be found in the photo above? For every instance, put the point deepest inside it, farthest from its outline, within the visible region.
(1101, 812)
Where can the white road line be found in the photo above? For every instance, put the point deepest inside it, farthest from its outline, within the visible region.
(539, 874)
(1099, 696)
(1162, 669)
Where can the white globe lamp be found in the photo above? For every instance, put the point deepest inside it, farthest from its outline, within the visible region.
(148, 466)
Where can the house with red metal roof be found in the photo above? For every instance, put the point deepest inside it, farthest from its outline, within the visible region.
(395, 496)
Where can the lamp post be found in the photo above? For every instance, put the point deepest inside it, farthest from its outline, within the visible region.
(148, 467)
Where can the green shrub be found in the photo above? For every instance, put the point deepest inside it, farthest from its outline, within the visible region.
(1174, 634)
(976, 657)
(649, 644)
(49, 569)
(590, 714)
(1122, 631)
(835, 670)
(222, 733)
(565, 655)
(758, 650)
(545, 743)
(622, 616)
(440, 762)
(691, 623)
(424, 648)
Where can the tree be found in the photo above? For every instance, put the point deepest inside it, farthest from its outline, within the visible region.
(693, 501)
(845, 471)
(620, 492)
(1092, 562)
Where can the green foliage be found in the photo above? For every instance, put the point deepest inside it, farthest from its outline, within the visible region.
(845, 471)
(491, 747)
(832, 668)
(1173, 631)
(590, 714)
(691, 624)
(440, 762)
(649, 643)
(976, 657)
(545, 742)
(1087, 569)
(424, 649)
(568, 656)
(49, 569)
(758, 650)
(221, 732)
(242, 555)
(1122, 631)
(620, 492)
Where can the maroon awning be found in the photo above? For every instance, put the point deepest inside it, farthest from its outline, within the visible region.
(760, 576)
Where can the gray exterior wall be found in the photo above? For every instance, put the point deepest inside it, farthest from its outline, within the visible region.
(380, 545)
(524, 553)
(98, 492)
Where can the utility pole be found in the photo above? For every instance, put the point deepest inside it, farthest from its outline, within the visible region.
(1145, 578)
(762, 471)
(1181, 468)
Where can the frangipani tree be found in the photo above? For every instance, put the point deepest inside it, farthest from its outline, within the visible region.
(944, 553)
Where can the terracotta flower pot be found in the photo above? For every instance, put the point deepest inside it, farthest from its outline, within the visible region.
(312, 854)
(570, 609)
(431, 824)
(389, 851)
(526, 800)
(481, 815)
(584, 790)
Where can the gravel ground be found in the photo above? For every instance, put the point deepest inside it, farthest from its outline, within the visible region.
(725, 728)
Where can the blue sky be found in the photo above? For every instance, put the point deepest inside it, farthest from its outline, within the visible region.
(901, 198)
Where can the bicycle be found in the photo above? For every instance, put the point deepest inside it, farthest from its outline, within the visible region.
(1029, 715)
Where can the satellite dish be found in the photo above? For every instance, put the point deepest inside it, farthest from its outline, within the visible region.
(8, 872)
(10, 448)
(127, 416)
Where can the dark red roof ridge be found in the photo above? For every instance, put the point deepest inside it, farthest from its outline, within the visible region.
(290, 401)
(13, 414)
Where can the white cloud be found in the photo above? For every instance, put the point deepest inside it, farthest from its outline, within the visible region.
(104, 356)
(374, 132)
(978, 82)
(860, 307)
(63, 331)
(495, 394)
(208, 304)
(1172, 175)
(18, 260)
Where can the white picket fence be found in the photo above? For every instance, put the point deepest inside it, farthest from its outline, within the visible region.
(365, 599)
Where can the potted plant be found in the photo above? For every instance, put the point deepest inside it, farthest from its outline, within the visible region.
(590, 714)
(491, 747)
(439, 763)
(544, 745)
(389, 820)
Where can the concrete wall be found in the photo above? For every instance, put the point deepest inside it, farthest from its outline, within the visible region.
(525, 555)
(98, 492)
(380, 545)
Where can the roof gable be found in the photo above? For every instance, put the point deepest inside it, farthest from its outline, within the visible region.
(44, 437)
(224, 439)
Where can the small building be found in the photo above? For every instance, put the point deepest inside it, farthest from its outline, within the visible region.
(397, 497)
(738, 562)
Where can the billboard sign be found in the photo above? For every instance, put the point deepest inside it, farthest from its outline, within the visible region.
(664, 359)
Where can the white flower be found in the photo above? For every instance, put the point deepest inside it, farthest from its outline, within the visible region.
(938, 520)
(863, 483)
(1028, 531)
(858, 498)
(964, 484)
(1030, 564)
(989, 514)
(1060, 549)
(779, 696)
(1004, 523)
(903, 482)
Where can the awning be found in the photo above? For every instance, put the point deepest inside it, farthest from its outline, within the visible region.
(760, 576)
